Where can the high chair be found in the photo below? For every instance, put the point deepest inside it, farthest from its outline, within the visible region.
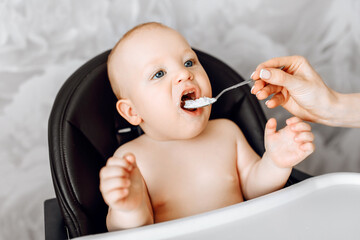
(85, 130)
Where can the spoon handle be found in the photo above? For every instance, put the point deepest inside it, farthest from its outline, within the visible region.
(232, 87)
(239, 85)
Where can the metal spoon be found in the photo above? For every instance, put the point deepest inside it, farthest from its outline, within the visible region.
(205, 101)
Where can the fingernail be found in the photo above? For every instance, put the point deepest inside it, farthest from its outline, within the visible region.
(252, 74)
(252, 88)
(266, 103)
(258, 93)
(265, 74)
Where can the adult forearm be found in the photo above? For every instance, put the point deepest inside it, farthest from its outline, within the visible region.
(343, 111)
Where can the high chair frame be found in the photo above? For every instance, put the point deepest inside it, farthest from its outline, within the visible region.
(83, 133)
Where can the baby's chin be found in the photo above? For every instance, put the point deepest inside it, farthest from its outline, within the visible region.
(185, 127)
(193, 131)
(180, 133)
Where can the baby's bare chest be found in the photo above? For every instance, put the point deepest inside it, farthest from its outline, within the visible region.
(183, 182)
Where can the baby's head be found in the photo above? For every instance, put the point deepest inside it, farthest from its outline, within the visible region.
(152, 71)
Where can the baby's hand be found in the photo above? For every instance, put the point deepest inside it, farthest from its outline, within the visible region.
(290, 145)
(121, 183)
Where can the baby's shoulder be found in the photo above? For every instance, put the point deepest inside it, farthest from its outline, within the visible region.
(132, 146)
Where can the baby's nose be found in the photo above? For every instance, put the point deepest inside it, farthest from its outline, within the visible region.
(184, 75)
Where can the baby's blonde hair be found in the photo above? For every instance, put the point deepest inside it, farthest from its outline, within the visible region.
(111, 73)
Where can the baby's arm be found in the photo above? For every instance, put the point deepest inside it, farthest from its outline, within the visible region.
(284, 149)
(124, 190)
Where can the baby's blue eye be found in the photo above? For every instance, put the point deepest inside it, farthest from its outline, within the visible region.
(159, 74)
(189, 63)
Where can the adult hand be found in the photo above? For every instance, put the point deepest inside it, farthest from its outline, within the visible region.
(297, 87)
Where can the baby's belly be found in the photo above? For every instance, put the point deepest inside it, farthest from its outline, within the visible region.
(195, 199)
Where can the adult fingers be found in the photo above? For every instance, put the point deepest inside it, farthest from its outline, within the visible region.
(258, 85)
(267, 91)
(277, 100)
(289, 63)
(275, 76)
(270, 72)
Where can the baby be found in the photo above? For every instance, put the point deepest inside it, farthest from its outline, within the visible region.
(184, 163)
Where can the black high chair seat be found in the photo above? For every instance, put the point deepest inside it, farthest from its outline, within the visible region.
(84, 132)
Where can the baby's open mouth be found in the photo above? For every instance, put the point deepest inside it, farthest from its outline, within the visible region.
(187, 95)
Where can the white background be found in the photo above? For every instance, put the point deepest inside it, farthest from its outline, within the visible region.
(43, 42)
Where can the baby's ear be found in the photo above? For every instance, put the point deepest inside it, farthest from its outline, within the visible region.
(127, 110)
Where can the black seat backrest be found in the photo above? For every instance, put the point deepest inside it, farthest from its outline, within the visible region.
(83, 134)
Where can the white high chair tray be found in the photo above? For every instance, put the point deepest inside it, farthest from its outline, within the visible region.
(323, 207)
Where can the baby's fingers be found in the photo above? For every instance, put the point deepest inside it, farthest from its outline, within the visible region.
(298, 125)
(130, 158)
(308, 147)
(113, 171)
(117, 195)
(304, 137)
(120, 162)
(293, 120)
(301, 127)
(112, 184)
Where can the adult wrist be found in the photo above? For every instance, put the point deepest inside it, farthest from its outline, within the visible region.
(342, 110)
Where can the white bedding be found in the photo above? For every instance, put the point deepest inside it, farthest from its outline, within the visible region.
(43, 42)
